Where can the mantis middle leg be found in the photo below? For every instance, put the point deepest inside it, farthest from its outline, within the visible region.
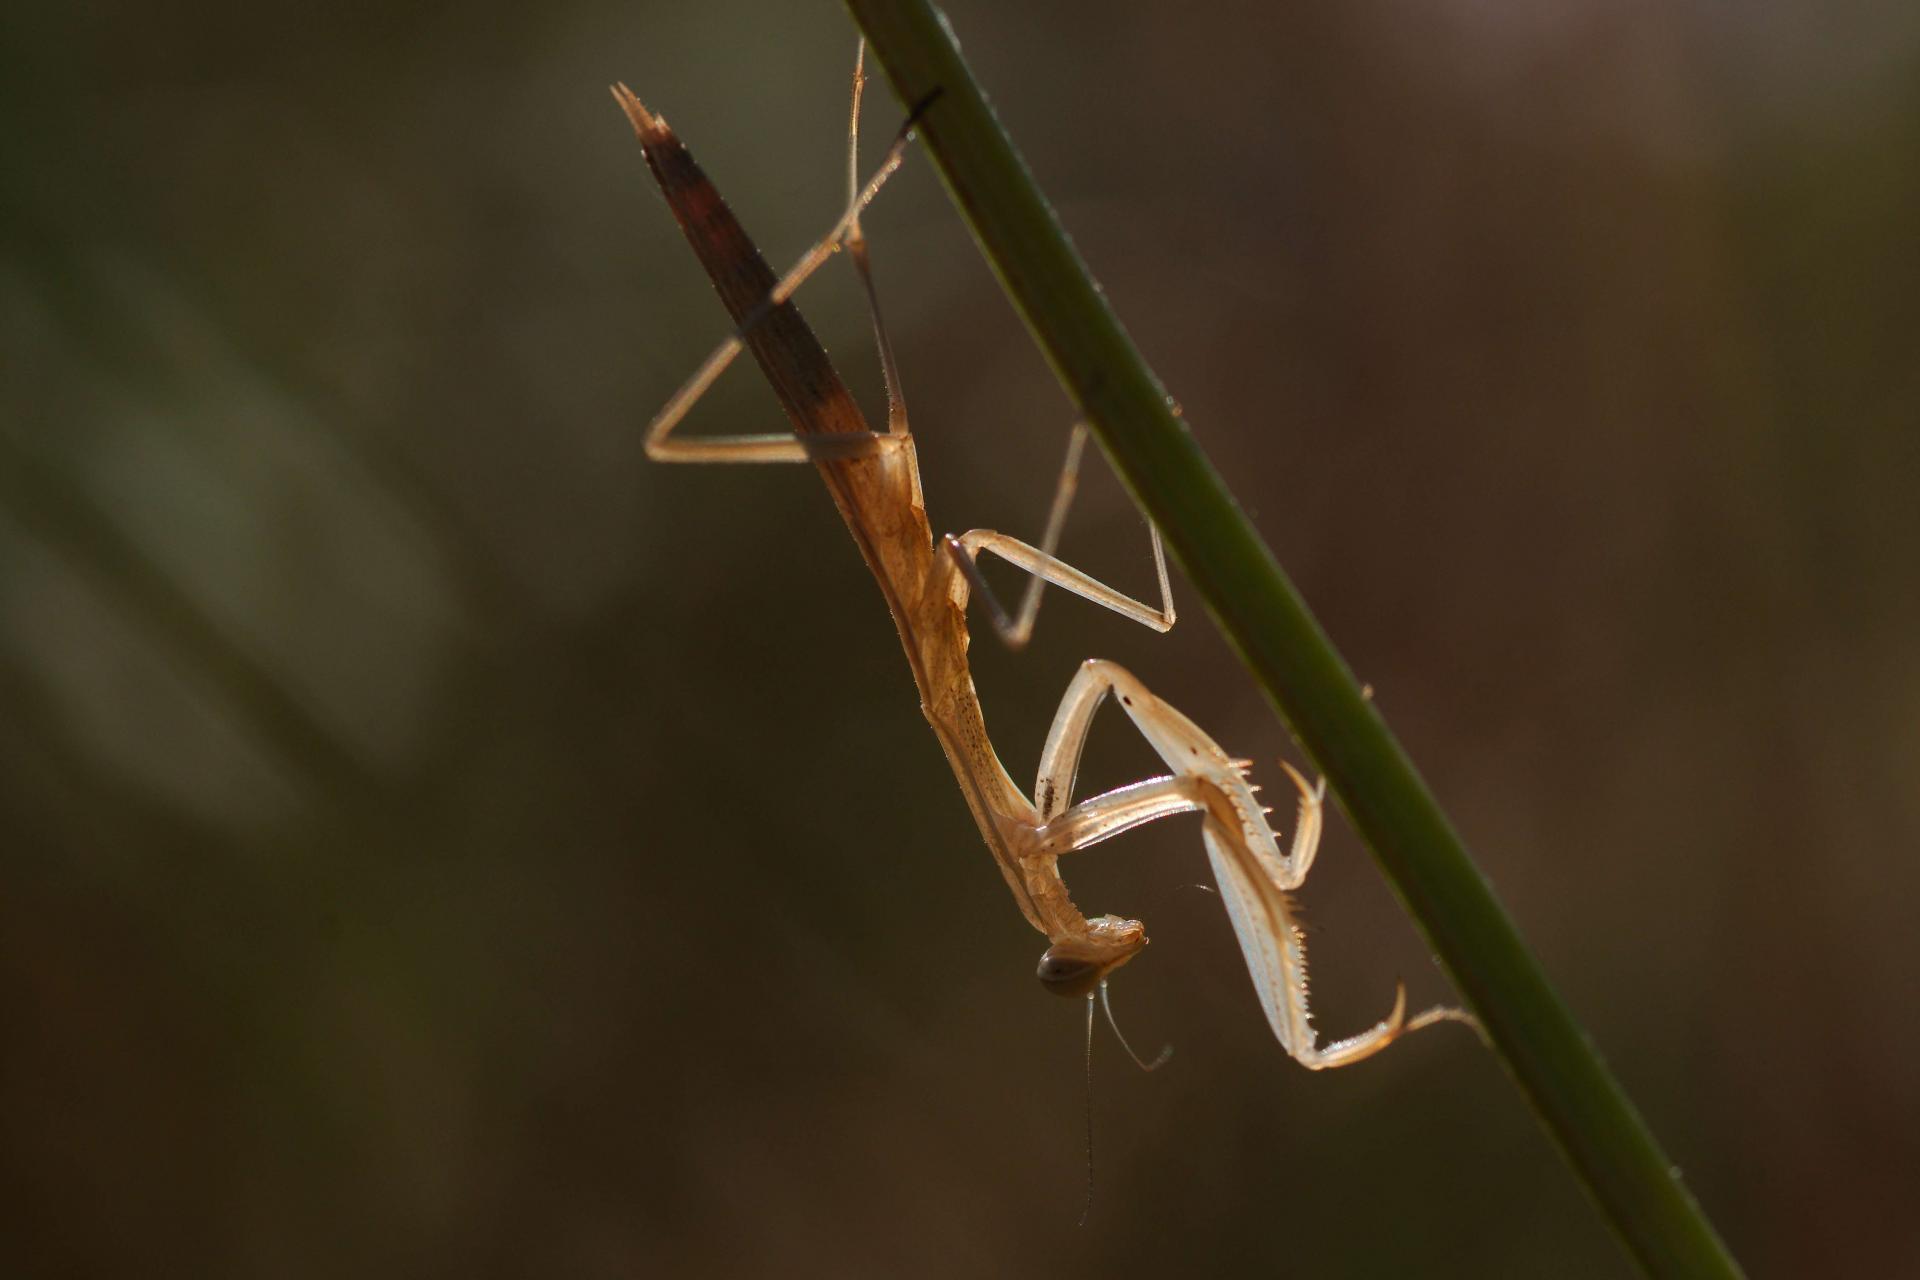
(1045, 567)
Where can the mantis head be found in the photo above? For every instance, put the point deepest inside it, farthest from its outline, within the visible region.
(1077, 965)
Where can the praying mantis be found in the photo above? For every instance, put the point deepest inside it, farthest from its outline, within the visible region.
(874, 479)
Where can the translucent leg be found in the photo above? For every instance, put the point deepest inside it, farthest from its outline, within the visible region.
(856, 242)
(1254, 876)
(1189, 752)
(1105, 816)
(1016, 629)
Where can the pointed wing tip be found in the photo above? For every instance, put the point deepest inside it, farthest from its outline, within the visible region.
(645, 123)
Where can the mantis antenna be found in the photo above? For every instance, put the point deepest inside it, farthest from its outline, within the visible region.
(1159, 1059)
(1087, 1207)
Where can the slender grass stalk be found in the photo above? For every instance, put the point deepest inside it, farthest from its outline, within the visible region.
(1250, 597)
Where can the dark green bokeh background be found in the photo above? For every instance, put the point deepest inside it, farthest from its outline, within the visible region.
(435, 841)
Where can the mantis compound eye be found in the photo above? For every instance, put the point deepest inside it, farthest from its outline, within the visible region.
(1069, 975)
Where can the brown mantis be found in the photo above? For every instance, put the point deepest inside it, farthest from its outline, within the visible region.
(875, 481)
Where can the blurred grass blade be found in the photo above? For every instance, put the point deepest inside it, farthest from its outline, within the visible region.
(1597, 1127)
(34, 493)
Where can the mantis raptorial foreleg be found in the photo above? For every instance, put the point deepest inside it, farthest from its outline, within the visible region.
(1254, 875)
(1187, 750)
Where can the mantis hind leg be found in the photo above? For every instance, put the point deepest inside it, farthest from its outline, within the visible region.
(1253, 874)
(856, 241)
(762, 307)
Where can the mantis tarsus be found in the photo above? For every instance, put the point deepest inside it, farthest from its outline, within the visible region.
(875, 481)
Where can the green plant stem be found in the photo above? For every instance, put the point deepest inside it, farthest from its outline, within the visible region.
(1264, 617)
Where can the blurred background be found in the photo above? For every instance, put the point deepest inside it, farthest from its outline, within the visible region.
(437, 842)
